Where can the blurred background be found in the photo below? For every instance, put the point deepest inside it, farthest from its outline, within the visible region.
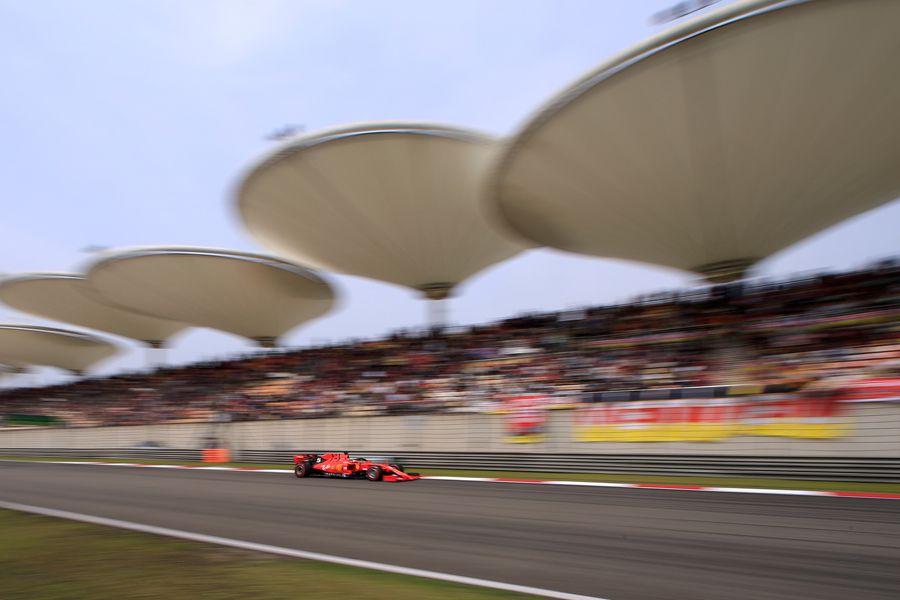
(130, 124)
(602, 244)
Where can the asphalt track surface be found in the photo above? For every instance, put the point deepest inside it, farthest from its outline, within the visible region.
(620, 544)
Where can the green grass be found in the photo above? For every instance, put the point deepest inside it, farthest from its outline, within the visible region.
(748, 482)
(44, 558)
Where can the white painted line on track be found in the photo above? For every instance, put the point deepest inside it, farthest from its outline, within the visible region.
(455, 478)
(601, 484)
(329, 558)
(592, 484)
(734, 490)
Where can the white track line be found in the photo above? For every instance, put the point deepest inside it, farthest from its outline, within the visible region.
(329, 558)
(602, 484)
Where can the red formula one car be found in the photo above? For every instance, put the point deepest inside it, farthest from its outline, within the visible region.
(339, 464)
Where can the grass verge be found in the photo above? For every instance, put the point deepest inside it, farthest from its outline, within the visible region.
(43, 558)
(747, 482)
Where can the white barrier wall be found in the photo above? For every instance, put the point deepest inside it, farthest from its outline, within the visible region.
(874, 432)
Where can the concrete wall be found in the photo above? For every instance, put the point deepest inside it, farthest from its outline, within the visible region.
(874, 432)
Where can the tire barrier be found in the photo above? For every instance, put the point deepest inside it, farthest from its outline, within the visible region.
(216, 455)
(884, 470)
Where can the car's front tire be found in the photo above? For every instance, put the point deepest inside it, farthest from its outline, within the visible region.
(374, 473)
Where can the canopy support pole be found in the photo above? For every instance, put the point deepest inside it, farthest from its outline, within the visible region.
(436, 295)
(437, 314)
(154, 355)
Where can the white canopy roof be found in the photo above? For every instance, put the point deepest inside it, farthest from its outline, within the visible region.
(257, 297)
(397, 202)
(718, 143)
(51, 347)
(67, 297)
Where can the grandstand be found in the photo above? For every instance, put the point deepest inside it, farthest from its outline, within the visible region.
(792, 333)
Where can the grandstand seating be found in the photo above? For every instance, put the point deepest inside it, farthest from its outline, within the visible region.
(794, 331)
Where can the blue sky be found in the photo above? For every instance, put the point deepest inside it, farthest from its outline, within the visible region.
(127, 122)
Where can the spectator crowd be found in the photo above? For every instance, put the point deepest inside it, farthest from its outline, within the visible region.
(803, 330)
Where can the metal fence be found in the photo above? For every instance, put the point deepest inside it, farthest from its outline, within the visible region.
(809, 468)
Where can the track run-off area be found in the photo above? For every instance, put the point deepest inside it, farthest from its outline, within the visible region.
(617, 543)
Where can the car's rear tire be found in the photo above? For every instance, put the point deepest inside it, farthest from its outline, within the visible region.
(374, 473)
(303, 469)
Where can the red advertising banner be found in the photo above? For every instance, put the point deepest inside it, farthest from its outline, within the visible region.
(885, 389)
(526, 419)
